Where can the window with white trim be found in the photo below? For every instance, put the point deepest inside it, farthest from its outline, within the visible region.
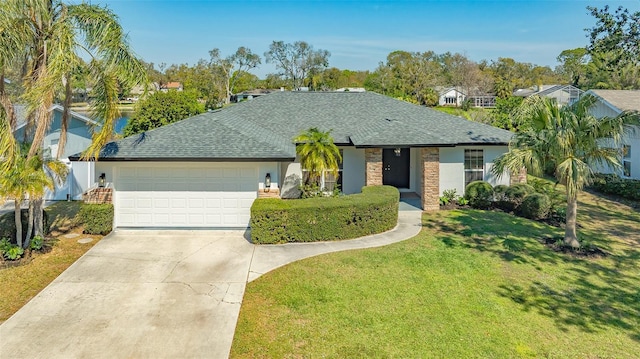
(328, 181)
(473, 166)
(450, 101)
(626, 160)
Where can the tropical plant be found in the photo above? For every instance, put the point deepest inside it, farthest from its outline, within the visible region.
(318, 154)
(571, 141)
(45, 39)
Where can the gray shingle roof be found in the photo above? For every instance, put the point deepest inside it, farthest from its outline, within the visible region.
(264, 128)
(624, 100)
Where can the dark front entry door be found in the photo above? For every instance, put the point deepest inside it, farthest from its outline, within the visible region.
(395, 169)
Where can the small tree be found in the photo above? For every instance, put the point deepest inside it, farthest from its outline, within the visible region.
(318, 154)
(241, 61)
(297, 61)
(163, 108)
(571, 141)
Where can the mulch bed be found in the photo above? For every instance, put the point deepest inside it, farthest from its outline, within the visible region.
(589, 252)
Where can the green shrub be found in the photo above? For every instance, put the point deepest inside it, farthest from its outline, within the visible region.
(96, 218)
(560, 213)
(5, 245)
(500, 196)
(515, 194)
(373, 211)
(36, 243)
(535, 206)
(614, 184)
(13, 253)
(8, 224)
(479, 194)
(448, 196)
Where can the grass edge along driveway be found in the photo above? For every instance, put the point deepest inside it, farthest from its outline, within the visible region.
(472, 284)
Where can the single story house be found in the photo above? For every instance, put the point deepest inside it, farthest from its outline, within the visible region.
(451, 96)
(562, 94)
(611, 103)
(207, 170)
(79, 136)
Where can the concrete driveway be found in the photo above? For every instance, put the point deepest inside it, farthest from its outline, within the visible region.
(138, 294)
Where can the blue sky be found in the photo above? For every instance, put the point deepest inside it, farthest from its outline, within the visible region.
(359, 34)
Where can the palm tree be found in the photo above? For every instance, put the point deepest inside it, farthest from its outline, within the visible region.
(46, 38)
(571, 141)
(27, 178)
(318, 154)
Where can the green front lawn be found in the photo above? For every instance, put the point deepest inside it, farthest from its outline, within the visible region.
(21, 283)
(471, 284)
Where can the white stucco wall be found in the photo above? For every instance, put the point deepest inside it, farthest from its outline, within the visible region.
(452, 167)
(353, 170)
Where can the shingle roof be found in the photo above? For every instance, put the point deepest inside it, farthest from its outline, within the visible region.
(264, 128)
(624, 100)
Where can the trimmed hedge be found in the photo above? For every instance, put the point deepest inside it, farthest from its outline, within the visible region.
(535, 206)
(8, 224)
(515, 195)
(479, 194)
(274, 220)
(96, 218)
(614, 184)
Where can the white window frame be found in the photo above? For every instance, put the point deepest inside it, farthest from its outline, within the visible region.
(472, 169)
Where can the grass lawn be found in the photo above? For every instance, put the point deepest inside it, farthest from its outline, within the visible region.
(472, 284)
(20, 284)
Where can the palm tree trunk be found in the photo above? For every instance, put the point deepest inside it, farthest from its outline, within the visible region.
(6, 103)
(570, 235)
(65, 117)
(37, 220)
(18, 219)
(30, 222)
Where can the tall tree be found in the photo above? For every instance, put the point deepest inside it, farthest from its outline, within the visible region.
(571, 141)
(297, 61)
(318, 154)
(44, 38)
(162, 108)
(573, 63)
(242, 60)
(616, 34)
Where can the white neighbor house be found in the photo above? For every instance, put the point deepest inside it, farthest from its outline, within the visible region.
(207, 170)
(611, 103)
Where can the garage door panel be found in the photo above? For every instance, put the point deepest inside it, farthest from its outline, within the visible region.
(185, 196)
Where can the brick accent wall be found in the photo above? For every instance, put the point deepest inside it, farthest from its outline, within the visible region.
(273, 193)
(520, 177)
(430, 192)
(373, 161)
(98, 195)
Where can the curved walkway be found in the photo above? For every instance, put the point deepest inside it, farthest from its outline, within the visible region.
(269, 257)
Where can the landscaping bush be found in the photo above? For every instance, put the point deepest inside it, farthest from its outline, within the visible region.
(96, 218)
(515, 195)
(448, 196)
(535, 206)
(500, 195)
(373, 211)
(614, 184)
(8, 224)
(479, 194)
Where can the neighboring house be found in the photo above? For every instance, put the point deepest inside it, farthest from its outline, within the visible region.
(351, 89)
(450, 96)
(251, 94)
(483, 101)
(611, 103)
(79, 136)
(563, 94)
(207, 170)
(171, 86)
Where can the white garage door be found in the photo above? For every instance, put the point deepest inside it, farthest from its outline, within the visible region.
(201, 195)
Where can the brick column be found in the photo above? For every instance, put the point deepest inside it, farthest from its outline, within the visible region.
(373, 162)
(430, 178)
(98, 195)
(520, 177)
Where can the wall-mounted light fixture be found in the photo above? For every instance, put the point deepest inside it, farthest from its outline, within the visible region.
(397, 151)
(102, 180)
(267, 182)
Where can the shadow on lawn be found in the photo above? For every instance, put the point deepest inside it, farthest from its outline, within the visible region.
(595, 293)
